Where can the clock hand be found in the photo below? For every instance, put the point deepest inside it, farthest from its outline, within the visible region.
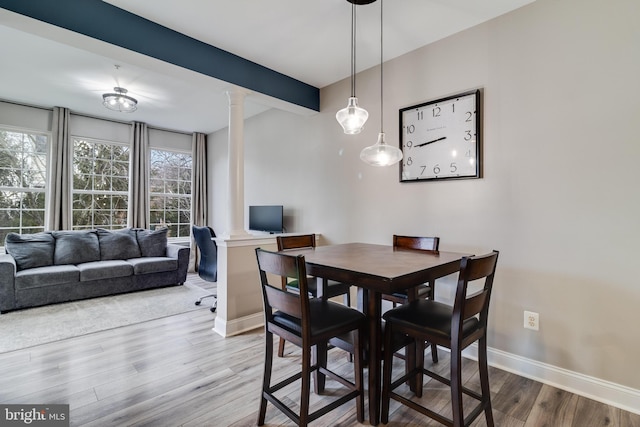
(430, 142)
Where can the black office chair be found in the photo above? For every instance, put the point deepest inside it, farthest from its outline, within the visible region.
(208, 266)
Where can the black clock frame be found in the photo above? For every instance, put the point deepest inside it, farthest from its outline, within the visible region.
(479, 119)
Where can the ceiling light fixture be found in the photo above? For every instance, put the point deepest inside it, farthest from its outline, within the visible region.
(381, 154)
(119, 101)
(353, 117)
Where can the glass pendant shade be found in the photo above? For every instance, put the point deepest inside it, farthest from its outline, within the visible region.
(119, 101)
(381, 154)
(352, 117)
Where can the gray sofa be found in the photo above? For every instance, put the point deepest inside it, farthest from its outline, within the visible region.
(58, 266)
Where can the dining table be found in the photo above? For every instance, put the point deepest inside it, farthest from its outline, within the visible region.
(376, 270)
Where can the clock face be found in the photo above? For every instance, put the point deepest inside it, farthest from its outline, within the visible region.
(441, 139)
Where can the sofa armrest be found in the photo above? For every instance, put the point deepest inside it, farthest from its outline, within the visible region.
(7, 282)
(181, 253)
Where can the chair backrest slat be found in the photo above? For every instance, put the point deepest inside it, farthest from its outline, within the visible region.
(284, 301)
(274, 297)
(414, 242)
(296, 242)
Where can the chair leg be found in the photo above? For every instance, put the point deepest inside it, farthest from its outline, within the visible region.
(386, 375)
(347, 299)
(434, 353)
(319, 358)
(484, 380)
(418, 381)
(456, 386)
(281, 347)
(358, 376)
(266, 377)
(305, 389)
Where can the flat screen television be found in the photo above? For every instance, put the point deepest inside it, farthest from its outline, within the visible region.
(266, 218)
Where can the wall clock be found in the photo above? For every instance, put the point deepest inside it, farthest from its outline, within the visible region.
(441, 139)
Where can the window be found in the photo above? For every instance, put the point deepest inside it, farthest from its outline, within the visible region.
(23, 173)
(170, 192)
(100, 184)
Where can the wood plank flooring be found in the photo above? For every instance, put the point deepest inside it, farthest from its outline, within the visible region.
(175, 371)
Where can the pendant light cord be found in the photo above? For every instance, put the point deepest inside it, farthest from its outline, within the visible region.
(353, 49)
(381, 75)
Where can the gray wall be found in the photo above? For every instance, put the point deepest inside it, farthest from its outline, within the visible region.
(559, 196)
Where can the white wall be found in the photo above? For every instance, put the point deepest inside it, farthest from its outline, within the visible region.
(558, 197)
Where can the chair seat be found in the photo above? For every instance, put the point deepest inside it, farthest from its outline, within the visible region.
(325, 316)
(433, 318)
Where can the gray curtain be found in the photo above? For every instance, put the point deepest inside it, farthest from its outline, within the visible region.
(139, 177)
(60, 173)
(199, 209)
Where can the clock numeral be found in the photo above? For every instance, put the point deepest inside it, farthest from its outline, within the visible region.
(469, 114)
(468, 153)
(453, 167)
(422, 169)
(436, 169)
(408, 144)
(436, 111)
(410, 129)
(467, 135)
(420, 115)
(409, 161)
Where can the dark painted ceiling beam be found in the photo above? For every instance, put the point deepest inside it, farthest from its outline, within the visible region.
(103, 21)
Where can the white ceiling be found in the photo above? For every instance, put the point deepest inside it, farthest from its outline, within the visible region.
(308, 40)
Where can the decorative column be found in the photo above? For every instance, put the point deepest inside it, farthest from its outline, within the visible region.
(236, 163)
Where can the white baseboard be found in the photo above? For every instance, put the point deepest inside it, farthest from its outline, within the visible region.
(613, 394)
(238, 326)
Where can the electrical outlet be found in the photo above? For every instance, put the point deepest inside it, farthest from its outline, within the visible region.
(531, 320)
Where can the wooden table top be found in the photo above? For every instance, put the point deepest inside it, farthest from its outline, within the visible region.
(377, 267)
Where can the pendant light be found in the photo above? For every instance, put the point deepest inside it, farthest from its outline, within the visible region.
(381, 154)
(353, 117)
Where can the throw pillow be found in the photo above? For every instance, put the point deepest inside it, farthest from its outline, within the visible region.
(120, 244)
(76, 247)
(153, 243)
(30, 250)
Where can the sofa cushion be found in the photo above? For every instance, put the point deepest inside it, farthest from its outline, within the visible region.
(76, 247)
(153, 243)
(120, 244)
(104, 270)
(46, 276)
(148, 265)
(30, 250)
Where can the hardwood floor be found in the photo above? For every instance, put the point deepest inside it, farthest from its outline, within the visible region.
(175, 371)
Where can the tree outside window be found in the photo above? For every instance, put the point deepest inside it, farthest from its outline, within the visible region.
(170, 192)
(100, 184)
(23, 172)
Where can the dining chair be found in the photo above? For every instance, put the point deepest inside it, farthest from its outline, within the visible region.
(426, 290)
(455, 328)
(331, 288)
(311, 324)
(208, 265)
